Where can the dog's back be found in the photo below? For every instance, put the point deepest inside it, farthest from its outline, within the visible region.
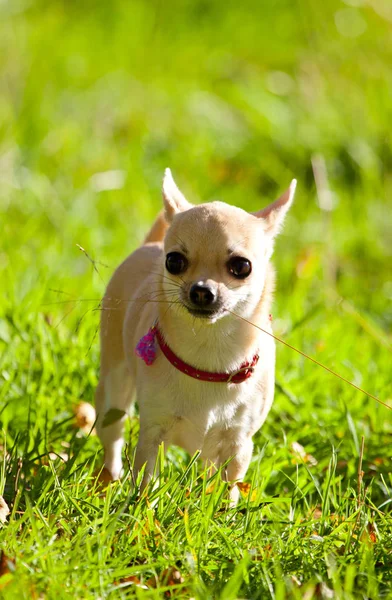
(158, 230)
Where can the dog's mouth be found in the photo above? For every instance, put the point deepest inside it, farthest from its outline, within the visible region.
(204, 313)
(211, 310)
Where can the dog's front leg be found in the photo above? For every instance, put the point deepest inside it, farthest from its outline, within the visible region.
(111, 435)
(150, 439)
(239, 454)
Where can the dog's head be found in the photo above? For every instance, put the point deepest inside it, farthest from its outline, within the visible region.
(216, 255)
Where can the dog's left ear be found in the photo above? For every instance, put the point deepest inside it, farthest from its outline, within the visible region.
(174, 201)
(273, 215)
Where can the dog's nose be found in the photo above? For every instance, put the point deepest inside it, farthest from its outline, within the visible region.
(201, 295)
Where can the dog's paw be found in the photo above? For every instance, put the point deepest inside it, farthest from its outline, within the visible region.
(102, 478)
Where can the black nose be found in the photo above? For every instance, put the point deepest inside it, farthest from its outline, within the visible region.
(201, 295)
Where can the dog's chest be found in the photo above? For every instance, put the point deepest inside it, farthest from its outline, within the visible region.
(195, 418)
(188, 411)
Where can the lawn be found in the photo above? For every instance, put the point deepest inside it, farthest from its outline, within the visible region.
(96, 99)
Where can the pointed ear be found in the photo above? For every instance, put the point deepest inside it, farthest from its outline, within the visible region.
(174, 201)
(274, 214)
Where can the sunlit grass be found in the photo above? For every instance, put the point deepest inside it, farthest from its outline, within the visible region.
(95, 101)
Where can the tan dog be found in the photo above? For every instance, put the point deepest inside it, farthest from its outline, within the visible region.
(210, 383)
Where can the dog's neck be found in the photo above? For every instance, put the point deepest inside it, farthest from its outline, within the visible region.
(220, 346)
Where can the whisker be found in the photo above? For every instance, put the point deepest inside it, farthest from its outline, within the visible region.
(64, 317)
(157, 296)
(93, 262)
(78, 324)
(112, 309)
(71, 300)
(316, 362)
(59, 292)
(235, 287)
(93, 339)
(160, 274)
(147, 297)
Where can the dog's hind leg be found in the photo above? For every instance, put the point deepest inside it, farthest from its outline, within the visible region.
(114, 393)
(240, 453)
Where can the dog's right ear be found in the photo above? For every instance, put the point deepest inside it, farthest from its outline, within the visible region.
(274, 214)
(174, 201)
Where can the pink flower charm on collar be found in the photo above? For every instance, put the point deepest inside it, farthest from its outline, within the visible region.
(146, 348)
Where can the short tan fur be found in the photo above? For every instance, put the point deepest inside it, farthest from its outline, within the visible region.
(214, 245)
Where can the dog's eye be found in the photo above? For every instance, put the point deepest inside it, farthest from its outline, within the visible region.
(176, 263)
(239, 267)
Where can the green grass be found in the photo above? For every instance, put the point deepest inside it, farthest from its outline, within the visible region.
(237, 98)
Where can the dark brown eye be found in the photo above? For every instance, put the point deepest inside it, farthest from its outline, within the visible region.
(239, 267)
(176, 263)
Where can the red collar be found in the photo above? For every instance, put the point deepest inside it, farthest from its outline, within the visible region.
(244, 372)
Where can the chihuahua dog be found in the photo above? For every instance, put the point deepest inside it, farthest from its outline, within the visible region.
(177, 332)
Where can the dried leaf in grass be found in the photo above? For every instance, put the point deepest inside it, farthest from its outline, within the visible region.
(169, 577)
(103, 479)
(7, 564)
(210, 488)
(295, 580)
(262, 553)
(63, 455)
(132, 579)
(300, 452)
(245, 489)
(322, 591)
(316, 514)
(113, 415)
(372, 533)
(4, 510)
(369, 536)
(85, 417)
(148, 528)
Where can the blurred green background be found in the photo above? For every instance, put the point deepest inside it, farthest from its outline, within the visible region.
(97, 98)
